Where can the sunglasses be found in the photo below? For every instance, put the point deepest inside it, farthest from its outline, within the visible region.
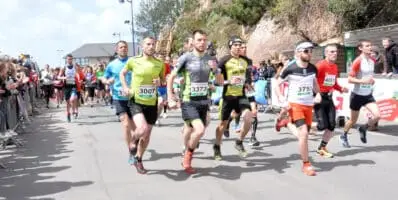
(306, 51)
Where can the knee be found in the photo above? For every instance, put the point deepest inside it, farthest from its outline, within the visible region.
(248, 116)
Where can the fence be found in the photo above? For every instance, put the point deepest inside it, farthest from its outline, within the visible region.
(14, 111)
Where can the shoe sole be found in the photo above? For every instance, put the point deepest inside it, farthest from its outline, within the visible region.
(218, 158)
(256, 144)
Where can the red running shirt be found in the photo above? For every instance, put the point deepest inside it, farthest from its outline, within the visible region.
(327, 76)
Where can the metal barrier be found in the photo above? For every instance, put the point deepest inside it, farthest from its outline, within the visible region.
(14, 110)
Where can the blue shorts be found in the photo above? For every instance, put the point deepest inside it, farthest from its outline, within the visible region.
(162, 92)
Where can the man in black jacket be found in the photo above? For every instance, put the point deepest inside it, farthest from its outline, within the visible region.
(391, 55)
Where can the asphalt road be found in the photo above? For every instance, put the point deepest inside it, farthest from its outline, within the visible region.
(87, 159)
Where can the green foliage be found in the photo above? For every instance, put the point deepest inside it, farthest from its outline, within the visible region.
(357, 14)
(288, 10)
(190, 5)
(155, 14)
(246, 12)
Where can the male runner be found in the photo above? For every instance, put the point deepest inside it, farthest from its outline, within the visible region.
(325, 111)
(234, 69)
(301, 76)
(70, 90)
(147, 74)
(100, 90)
(361, 76)
(195, 69)
(112, 77)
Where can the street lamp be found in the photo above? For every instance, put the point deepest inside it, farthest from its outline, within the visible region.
(60, 51)
(117, 34)
(132, 22)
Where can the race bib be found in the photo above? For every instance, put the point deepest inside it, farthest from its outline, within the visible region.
(70, 81)
(199, 89)
(250, 93)
(365, 86)
(147, 91)
(241, 81)
(305, 91)
(330, 80)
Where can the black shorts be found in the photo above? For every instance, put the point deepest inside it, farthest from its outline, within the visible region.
(325, 113)
(100, 86)
(238, 104)
(122, 106)
(90, 91)
(194, 110)
(68, 91)
(357, 101)
(150, 112)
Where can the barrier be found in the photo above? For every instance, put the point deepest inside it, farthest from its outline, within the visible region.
(385, 91)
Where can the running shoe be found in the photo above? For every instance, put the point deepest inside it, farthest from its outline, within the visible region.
(140, 168)
(308, 169)
(344, 141)
(187, 163)
(324, 153)
(241, 150)
(217, 152)
(132, 160)
(226, 133)
(76, 115)
(362, 133)
(68, 118)
(279, 123)
(254, 142)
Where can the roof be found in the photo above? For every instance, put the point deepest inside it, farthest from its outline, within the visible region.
(98, 50)
(374, 34)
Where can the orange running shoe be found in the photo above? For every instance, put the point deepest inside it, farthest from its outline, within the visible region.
(186, 162)
(308, 169)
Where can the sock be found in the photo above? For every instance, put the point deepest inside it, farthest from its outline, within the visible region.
(139, 159)
(239, 142)
(322, 145)
(254, 126)
(191, 150)
(306, 162)
(165, 109)
(229, 122)
(133, 151)
(345, 133)
(237, 119)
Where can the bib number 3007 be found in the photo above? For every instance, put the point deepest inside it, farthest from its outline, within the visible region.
(199, 89)
(147, 92)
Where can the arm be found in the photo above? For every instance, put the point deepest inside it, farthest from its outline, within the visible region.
(162, 75)
(356, 66)
(123, 74)
(106, 79)
(220, 71)
(177, 69)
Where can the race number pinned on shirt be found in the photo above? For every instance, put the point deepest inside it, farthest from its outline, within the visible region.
(330, 80)
(305, 91)
(240, 82)
(147, 91)
(365, 86)
(250, 93)
(199, 89)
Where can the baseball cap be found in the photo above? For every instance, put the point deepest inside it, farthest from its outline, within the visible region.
(304, 45)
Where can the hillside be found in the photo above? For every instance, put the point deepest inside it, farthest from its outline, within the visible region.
(276, 25)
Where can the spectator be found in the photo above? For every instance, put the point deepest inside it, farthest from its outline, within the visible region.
(391, 54)
(381, 64)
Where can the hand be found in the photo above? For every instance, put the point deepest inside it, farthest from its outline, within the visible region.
(126, 91)
(212, 88)
(212, 64)
(111, 81)
(181, 81)
(318, 98)
(156, 81)
(172, 104)
(369, 80)
(236, 80)
(345, 90)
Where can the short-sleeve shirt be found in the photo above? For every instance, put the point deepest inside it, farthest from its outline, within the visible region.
(113, 71)
(362, 67)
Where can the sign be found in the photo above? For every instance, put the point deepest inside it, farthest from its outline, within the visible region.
(385, 91)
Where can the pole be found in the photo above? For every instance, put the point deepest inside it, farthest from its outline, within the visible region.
(132, 25)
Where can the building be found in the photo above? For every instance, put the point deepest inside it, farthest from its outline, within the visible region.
(93, 53)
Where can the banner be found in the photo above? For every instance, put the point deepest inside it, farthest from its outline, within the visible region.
(385, 91)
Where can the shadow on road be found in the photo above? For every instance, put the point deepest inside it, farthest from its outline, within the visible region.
(31, 168)
(367, 149)
(388, 129)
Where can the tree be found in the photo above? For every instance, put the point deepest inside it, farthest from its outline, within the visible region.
(156, 14)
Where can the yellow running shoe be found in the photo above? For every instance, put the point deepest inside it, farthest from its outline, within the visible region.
(324, 153)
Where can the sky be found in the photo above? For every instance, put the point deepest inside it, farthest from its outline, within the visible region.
(49, 29)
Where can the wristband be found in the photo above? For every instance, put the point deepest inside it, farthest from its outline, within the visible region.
(226, 82)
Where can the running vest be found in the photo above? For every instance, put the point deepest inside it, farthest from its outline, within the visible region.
(362, 67)
(232, 68)
(301, 83)
(70, 75)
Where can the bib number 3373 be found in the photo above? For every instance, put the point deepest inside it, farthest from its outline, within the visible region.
(199, 89)
(147, 91)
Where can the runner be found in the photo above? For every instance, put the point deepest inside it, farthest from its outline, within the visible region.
(325, 111)
(301, 76)
(46, 79)
(235, 71)
(100, 90)
(112, 77)
(58, 85)
(90, 81)
(195, 69)
(147, 74)
(70, 89)
(361, 76)
(162, 92)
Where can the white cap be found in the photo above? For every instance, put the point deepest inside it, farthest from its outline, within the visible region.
(304, 45)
